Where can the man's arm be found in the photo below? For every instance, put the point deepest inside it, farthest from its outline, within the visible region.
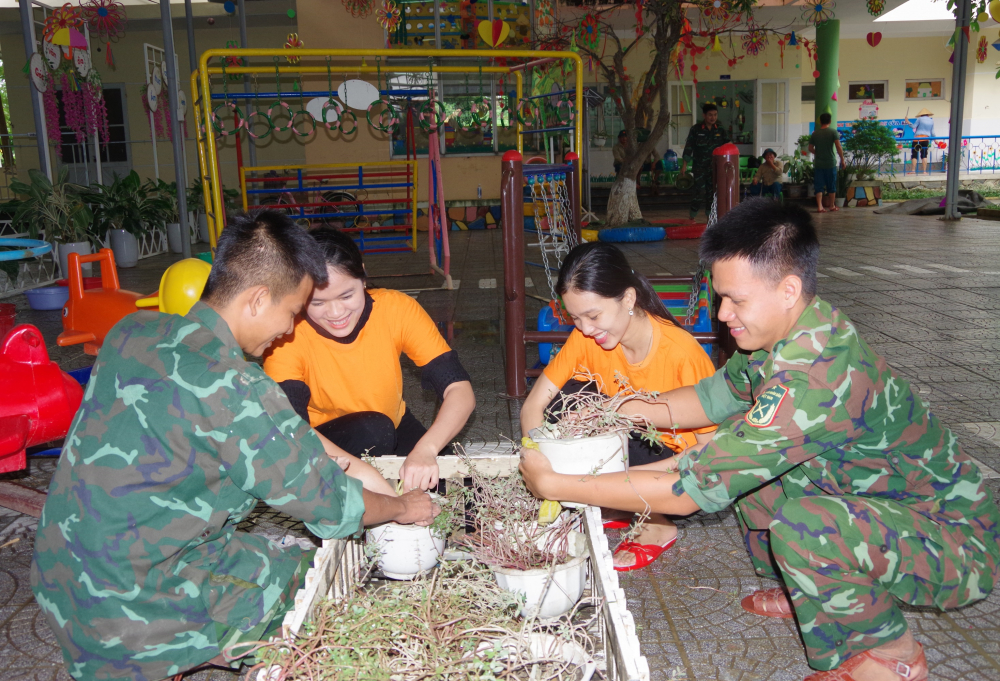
(840, 152)
(413, 507)
(678, 408)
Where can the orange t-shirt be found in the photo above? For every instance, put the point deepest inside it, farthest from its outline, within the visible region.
(675, 360)
(365, 375)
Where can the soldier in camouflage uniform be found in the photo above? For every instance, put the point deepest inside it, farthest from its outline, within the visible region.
(703, 138)
(138, 567)
(847, 489)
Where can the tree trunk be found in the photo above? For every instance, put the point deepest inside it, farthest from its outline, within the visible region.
(623, 203)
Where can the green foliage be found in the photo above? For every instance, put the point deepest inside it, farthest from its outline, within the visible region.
(167, 191)
(870, 145)
(844, 178)
(58, 208)
(128, 204)
(798, 168)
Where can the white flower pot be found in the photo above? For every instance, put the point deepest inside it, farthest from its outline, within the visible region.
(174, 237)
(547, 593)
(587, 455)
(203, 227)
(125, 247)
(81, 247)
(405, 550)
(599, 141)
(839, 201)
(540, 645)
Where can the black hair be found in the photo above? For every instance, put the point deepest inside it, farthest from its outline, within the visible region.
(825, 118)
(705, 108)
(602, 268)
(778, 240)
(340, 252)
(262, 248)
(623, 134)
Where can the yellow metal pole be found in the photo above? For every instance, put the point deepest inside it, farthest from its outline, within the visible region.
(579, 126)
(202, 160)
(243, 186)
(213, 154)
(413, 209)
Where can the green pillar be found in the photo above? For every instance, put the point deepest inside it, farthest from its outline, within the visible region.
(828, 65)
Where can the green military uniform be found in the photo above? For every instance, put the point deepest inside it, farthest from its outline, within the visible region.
(841, 474)
(701, 142)
(138, 567)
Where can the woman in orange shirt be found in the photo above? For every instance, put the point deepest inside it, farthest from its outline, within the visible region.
(621, 327)
(341, 370)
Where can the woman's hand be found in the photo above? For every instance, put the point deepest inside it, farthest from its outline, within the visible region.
(536, 470)
(419, 471)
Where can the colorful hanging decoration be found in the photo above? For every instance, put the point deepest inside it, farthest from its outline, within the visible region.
(83, 107)
(876, 7)
(754, 40)
(818, 11)
(792, 40)
(359, 8)
(716, 44)
(66, 17)
(982, 50)
(233, 61)
(715, 14)
(493, 32)
(639, 28)
(106, 20)
(781, 49)
(388, 15)
(874, 39)
(589, 32)
(293, 42)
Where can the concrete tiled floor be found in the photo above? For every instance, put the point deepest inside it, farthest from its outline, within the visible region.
(923, 293)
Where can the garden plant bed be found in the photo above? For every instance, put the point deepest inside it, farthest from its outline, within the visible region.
(337, 570)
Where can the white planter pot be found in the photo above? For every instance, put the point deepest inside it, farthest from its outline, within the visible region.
(203, 227)
(405, 550)
(599, 141)
(545, 646)
(585, 456)
(81, 247)
(839, 201)
(193, 226)
(547, 593)
(125, 247)
(174, 237)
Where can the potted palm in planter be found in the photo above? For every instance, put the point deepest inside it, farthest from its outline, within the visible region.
(126, 210)
(871, 149)
(844, 177)
(59, 209)
(167, 193)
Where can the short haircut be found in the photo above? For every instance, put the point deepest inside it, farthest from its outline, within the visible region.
(825, 118)
(708, 107)
(262, 248)
(778, 240)
(623, 134)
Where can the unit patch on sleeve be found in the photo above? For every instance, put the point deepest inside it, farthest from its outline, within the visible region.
(766, 408)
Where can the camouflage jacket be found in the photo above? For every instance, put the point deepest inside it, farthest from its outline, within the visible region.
(702, 141)
(137, 558)
(826, 415)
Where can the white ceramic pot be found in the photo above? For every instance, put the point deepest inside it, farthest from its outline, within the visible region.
(547, 593)
(405, 550)
(125, 247)
(203, 227)
(586, 455)
(839, 201)
(540, 645)
(193, 226)
(174, 237)
(600, 141)
(81, 247)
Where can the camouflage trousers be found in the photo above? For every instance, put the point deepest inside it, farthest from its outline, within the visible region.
(847, 561)
(704, 189)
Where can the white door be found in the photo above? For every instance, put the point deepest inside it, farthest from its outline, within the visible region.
(772, 116)
(683, 113)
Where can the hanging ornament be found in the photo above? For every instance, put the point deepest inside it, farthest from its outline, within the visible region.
(65, 17)
(716, 44)
(589, 32)
(982, 50)
(781, 50)
(994, 9)
(293, 42)
(876, 7)
(818, 11)
(106, 20)
(493, 32)
(874, 39)
(754, 40)
(715, 14)
(358, 8)
(792, 40)
(232, 61)
(388, 15)
(639, 29)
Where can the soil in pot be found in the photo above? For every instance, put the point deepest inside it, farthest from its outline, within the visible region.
(405, 551)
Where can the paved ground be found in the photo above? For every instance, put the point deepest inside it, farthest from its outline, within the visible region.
(922, 292)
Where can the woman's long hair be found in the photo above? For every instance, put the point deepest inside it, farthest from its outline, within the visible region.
(340, 252)
(602, 268)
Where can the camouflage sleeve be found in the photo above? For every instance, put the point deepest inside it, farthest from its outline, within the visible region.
(791, 422)
(284, 464)
(689, 145)
(737, 375)
(717, 398)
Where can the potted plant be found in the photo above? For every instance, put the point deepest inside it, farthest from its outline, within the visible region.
(195, 201)
(871, 150)
(59, 209)
(126, 210)
(799, 171)
(599, 139)
(803, 143)
(844, 177)
(167, 193)
(407, 551)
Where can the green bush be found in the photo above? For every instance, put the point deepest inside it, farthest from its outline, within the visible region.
(868, 146)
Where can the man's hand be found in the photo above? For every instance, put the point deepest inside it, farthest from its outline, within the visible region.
(536, 470)
(419, 471)
(684, 167)
(842, 164)
(418, 509)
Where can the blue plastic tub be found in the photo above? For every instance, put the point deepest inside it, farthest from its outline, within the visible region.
(48, 297)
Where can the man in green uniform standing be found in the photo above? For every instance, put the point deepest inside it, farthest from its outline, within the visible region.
(824, 145)
(138, 567)
(848, 490)
(703, 138)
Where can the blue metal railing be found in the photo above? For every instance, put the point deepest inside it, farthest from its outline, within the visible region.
(979, 154)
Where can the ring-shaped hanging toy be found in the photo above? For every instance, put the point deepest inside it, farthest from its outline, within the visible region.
(237, 118)
(336, 107)
(354, 119)
(306, 116)
(482, 112)
(456, 121)
(362, 221)
(526, 111)
(288, 111)
(387, 120)
(570, 108)
(432, 109)
(249, 123)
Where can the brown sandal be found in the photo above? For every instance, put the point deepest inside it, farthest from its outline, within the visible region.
(769, 603)
(914, 670)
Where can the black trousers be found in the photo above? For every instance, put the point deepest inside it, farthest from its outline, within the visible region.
(639, 451)
(374, 433)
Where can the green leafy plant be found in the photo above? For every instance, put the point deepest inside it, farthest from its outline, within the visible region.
(798, 168)
(167, 191)
(127, 204)
(870, 146)
(58, 208)
(844, 178)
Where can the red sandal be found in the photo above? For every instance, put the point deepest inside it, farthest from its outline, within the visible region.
(769, 603)
(644, 554)
(915, 670)
(617, 524)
